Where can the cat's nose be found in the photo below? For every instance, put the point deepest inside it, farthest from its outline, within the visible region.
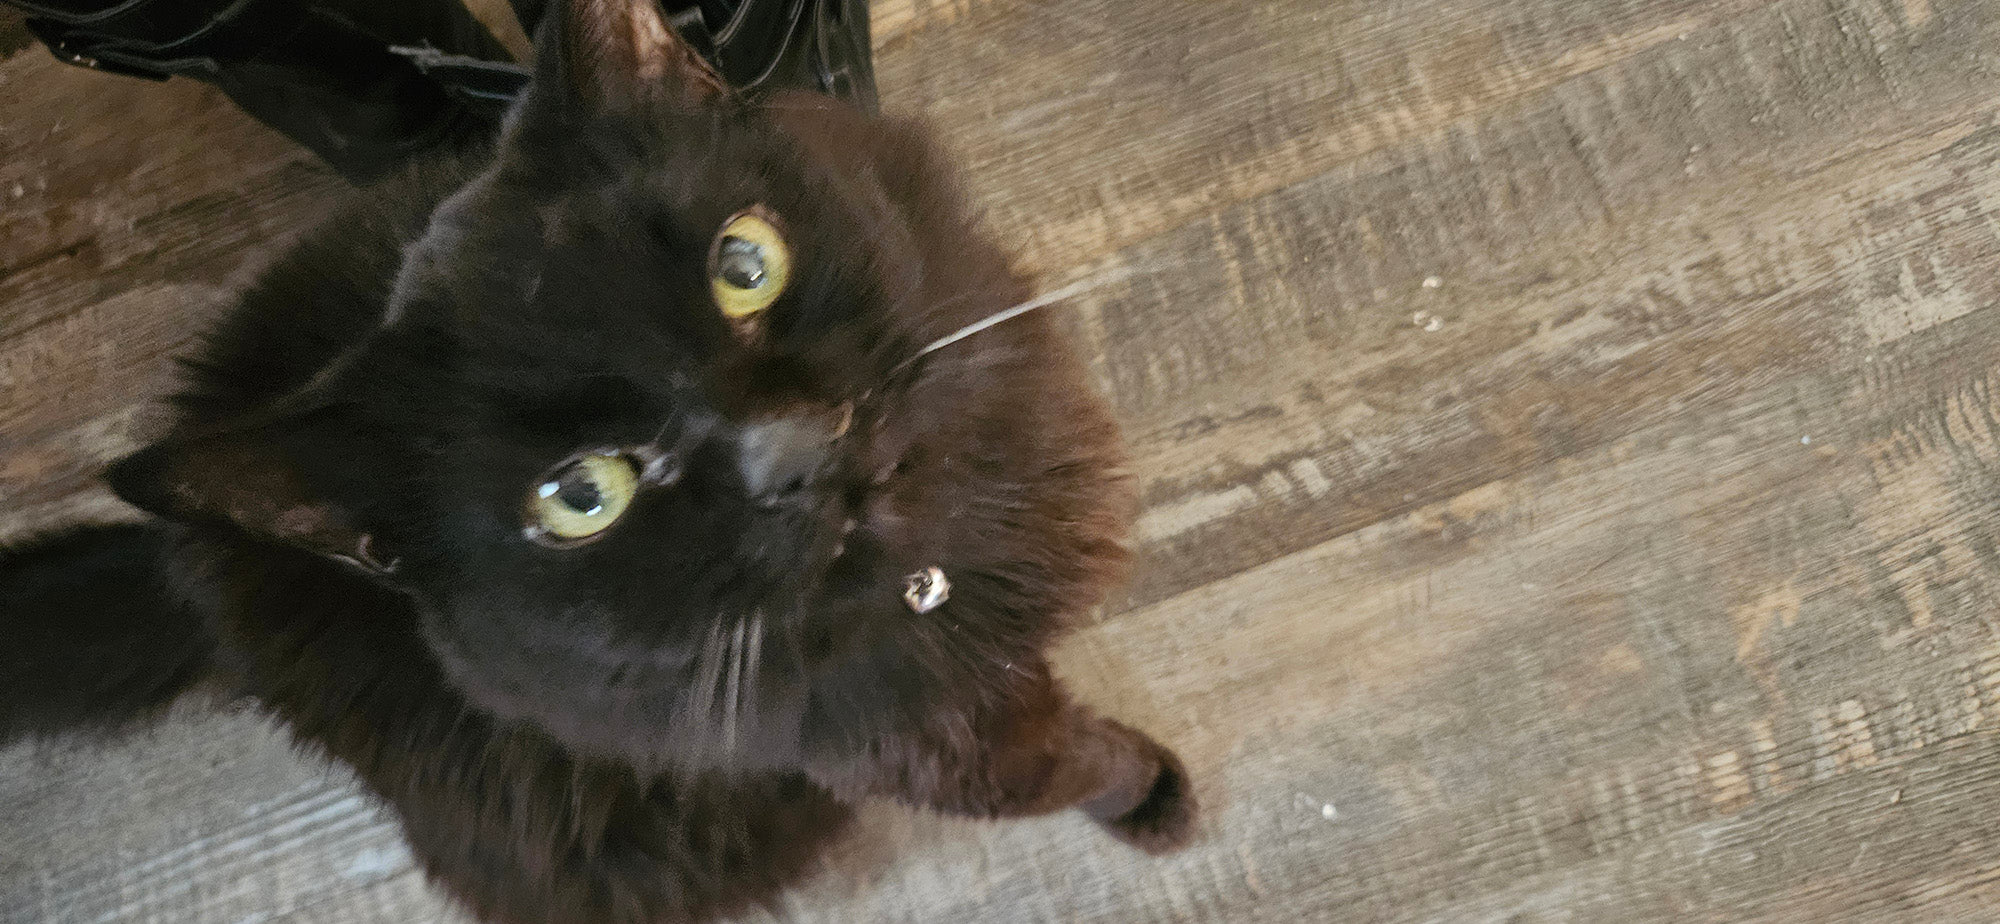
(781, 455)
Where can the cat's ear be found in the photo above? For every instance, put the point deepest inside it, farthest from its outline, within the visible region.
(616, 54)
(282, 480)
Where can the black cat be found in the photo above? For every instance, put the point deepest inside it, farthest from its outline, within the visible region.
(598, 501)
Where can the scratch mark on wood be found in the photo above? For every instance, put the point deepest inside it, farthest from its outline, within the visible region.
(1732, 785)
(1193, 512)
(1250, 878)
(1780, 603)
(1854, 740)
(1916, 13)
(1307, 473)
(1764, 747)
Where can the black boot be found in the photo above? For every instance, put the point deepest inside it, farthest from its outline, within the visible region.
(321, 72)
(365, 84)
(763, 45)
(756, 45)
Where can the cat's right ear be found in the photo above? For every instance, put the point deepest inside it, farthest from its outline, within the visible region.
(279, 480)
(593, 55)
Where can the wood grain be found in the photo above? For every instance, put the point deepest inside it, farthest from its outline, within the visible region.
(1567, 435)
(1092, 125)
(1627, 248)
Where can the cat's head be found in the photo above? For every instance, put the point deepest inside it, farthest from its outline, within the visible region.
(645, 431)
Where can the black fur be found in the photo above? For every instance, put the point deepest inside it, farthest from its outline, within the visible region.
(97, 639)
(667, 723)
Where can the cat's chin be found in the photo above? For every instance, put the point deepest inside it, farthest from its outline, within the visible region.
(713, 703)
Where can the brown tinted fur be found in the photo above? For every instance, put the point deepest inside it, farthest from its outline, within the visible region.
(340, 500)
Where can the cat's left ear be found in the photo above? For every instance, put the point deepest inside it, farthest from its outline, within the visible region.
(291, 480)
(617, 55)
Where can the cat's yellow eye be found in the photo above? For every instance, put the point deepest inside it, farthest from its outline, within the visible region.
(748, 265)
(581, 498)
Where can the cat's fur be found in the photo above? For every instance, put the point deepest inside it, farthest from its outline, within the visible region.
(670, 723)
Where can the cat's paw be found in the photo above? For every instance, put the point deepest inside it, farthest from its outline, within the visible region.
(1163, 821)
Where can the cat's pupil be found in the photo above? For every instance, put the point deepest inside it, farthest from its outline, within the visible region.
(578, 492)
(740, 263)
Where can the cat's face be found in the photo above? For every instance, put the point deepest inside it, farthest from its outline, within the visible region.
(645, 434)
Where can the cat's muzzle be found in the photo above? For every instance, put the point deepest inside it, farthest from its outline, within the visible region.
(782, 457)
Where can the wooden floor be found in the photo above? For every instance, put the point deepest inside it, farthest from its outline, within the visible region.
(1567, 431)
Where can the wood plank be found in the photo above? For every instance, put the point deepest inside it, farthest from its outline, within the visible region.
(499, 19)
(1091, 125)
(73, 180)
(1655, 237)
(217, 237)
(399, 899)
(164, 848)
(893, 21)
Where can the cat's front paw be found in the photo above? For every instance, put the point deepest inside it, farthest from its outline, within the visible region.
(1163, 819)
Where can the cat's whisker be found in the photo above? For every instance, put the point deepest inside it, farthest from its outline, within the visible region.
(753, 653)
(1109, 277)
(733, 695)
(709, 680)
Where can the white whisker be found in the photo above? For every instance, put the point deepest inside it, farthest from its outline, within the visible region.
(1001, 317)
(752, 655)
(733, 699)
(710, 678)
